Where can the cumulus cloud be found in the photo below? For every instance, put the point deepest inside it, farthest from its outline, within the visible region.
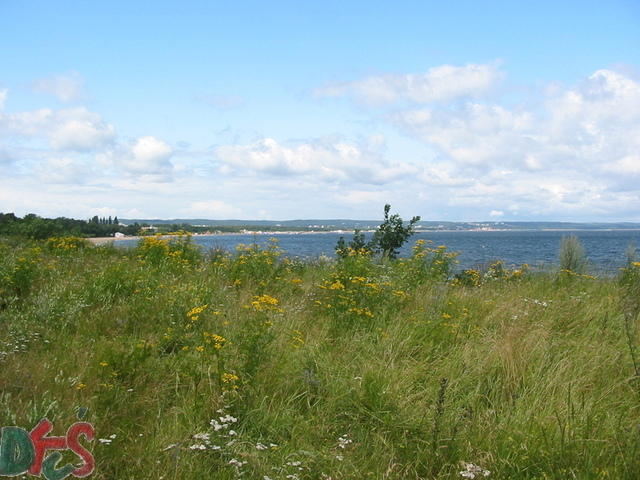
(79, 129)
(67, 88)
(150, 155)
(326, 160)
(75, 129)
(585, 131)
(147, 156)
(574, 151)
(3, 97)
(571, 153)
(73, 144)
(438, 84)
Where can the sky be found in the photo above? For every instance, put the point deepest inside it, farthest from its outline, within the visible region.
(458, 111)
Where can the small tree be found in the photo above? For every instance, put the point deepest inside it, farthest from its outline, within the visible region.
(387, 239)
(392, 234)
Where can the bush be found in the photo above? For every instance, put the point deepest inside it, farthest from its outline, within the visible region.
(162, 251)
(427, 264)
(356, 244)
(572, 256)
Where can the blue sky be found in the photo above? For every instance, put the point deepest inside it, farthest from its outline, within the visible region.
(277, 110)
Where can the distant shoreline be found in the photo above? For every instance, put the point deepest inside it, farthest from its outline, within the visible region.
(105, 240)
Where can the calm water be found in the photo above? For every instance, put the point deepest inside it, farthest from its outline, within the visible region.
(605, 249)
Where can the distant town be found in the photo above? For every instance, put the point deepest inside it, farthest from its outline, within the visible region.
(338, 225)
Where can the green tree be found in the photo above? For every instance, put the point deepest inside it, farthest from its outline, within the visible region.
(392, 234)
(387, 239)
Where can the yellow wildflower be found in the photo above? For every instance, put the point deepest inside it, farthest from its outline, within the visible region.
(229, 377)
(194, 312)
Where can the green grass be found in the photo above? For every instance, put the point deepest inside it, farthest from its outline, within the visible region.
(353, 368)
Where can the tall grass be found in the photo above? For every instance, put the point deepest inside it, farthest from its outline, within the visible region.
(252, 365)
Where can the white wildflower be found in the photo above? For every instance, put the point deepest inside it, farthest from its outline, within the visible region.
(474, 470)
(228, 419)
(261, 446)
(343, 441)
(217, 426)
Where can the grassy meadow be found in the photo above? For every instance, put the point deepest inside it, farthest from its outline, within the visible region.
(248, 364)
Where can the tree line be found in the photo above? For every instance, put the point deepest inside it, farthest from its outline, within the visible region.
(36, 227)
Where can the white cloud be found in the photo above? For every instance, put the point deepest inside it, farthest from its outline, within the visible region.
(143, 162)
(79, 129)
(438, 84)
(150, 155)
(75, 129)
(496, 213)
(592, 128)
(629, 165)
(3, 97)
(324, 160)
(67, 88)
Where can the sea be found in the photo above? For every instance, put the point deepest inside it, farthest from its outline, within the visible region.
(606, 250)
